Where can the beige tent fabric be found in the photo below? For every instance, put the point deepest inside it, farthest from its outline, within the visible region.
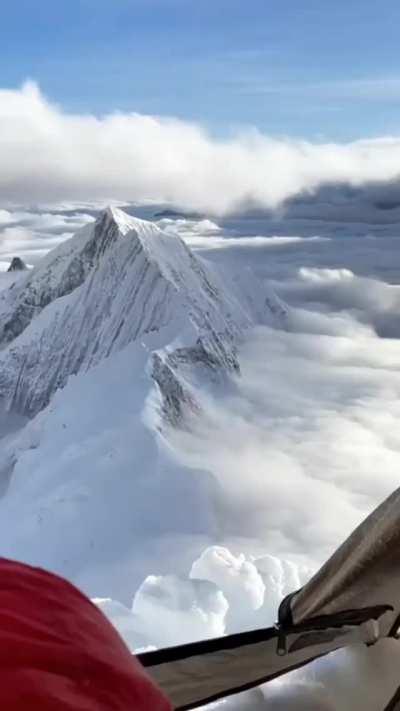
(363, 573)
(394, 703)
(196, 674)
(354, 598)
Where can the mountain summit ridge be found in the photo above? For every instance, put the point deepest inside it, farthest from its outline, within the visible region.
(112, 283)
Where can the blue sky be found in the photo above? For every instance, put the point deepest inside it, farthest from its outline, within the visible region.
(313, 68)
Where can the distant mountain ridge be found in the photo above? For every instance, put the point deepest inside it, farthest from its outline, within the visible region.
(17, 265)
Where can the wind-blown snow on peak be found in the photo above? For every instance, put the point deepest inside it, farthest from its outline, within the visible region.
(121, 219)
(116, 280)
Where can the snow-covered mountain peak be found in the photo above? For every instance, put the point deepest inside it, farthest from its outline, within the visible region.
(120, 218)
(62, 271)
(116, 280)
(168, 251)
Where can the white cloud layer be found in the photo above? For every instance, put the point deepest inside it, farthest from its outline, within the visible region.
(47, 154)
(307, 444)
(31, 235)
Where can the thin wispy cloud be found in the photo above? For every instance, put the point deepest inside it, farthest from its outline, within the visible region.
(368, 89)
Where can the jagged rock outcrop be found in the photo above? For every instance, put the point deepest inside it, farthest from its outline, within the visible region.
(17, 265)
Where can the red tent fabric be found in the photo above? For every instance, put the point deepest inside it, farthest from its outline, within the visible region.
(59, 652)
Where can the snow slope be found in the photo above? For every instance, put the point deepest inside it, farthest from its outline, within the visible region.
(92, 491)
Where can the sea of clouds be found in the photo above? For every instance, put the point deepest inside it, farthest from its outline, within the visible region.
(302, 446)
(305, 443)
